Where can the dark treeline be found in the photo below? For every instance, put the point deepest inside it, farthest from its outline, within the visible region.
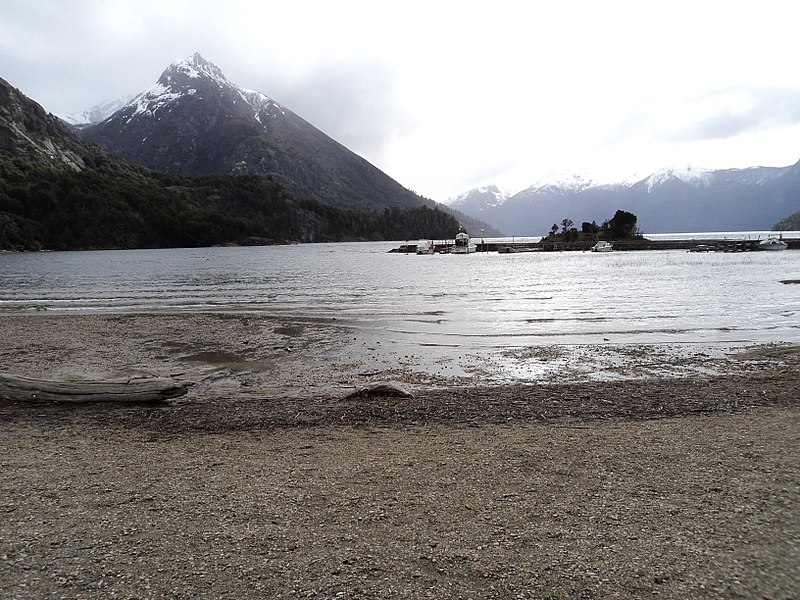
(621, 226)
(111, 204)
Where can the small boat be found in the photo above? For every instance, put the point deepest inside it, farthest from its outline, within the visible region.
(702, 248)
(602, 247)
(462, 245)
(772, 243)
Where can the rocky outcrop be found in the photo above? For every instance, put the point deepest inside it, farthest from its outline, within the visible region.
(27, 131)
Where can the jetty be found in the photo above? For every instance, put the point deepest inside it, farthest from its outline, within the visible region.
(643, 243)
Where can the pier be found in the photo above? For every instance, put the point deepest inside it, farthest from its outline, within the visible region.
(547, 245)
(697, 245)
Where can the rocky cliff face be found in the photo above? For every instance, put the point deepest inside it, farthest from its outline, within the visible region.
(28, 132)
(195, 121)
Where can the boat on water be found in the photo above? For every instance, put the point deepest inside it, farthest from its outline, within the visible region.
(772, 243)
(462, 243)
(602, 246)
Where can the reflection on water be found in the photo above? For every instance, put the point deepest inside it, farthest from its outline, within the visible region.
(475, 300)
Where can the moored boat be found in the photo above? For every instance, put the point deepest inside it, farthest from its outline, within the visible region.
(772, 243)
(462, 243)
(602, 246)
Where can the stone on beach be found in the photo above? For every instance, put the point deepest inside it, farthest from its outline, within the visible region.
(380, 389)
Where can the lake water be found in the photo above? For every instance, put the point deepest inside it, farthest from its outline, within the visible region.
(479, 300)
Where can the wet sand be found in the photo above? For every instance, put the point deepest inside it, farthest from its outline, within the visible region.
(661, 472)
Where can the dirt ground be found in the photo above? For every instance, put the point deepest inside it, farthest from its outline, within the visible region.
(675, 475)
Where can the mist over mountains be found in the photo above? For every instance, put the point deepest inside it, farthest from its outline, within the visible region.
(669, 201)
(98, 112)
(194, 121)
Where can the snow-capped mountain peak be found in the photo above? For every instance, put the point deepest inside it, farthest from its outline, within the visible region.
(195, 121)
(686, 174)
(196, 75)
(194, 67)
(565, 181)
(487, 196)
(98, 112)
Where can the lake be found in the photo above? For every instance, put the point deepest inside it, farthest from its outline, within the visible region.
(478, 300)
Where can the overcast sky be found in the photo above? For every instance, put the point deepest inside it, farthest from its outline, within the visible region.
(447, 96)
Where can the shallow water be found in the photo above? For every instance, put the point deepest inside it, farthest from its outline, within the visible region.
(479, 300)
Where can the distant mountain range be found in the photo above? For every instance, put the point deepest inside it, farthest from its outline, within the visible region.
(671, 200)
(194, 121)
(97, 113)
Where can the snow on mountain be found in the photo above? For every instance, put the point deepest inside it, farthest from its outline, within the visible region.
(564, 181)
(184, 78)
(98, 112)
(152, 100)
(194, 121)
(195, 67)
(668, 200)
(490, 196)
(687, 174)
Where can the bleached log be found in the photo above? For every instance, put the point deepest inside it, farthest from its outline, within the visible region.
(17, 388)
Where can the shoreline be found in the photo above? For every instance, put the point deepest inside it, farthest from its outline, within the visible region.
(281, 354)
(265, 481)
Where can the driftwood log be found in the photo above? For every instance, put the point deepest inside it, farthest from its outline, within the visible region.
(17, 388)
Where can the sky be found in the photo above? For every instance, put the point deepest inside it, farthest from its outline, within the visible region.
(445, 96)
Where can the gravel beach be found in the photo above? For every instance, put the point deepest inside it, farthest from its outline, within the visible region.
(658, 473)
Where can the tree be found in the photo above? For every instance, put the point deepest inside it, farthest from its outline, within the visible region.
(589, 228)
(622, 225)
(566, 224)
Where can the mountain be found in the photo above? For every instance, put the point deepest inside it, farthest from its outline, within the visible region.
(790, 223)
(194, 121)
(60, 192)
(670, 200)
(97, 113)
(29, 133)
(477, 200)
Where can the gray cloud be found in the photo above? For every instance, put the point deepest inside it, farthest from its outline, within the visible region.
(69, 58)
(767, 108)
(352, 102)
(351, 69)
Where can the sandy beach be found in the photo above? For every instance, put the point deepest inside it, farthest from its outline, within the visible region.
(646, 472)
